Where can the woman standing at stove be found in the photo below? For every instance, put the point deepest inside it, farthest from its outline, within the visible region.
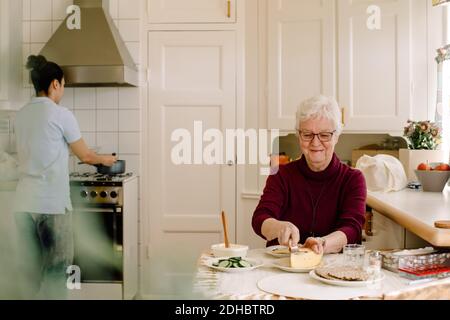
(44, 133)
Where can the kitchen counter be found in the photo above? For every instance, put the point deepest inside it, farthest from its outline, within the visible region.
(416, 211)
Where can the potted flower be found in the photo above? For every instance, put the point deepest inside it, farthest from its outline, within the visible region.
(423, 138)
(422, 135)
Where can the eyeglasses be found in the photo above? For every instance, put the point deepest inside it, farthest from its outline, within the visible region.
(323, 136)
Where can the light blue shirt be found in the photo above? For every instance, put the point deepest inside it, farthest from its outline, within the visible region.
(44, 131)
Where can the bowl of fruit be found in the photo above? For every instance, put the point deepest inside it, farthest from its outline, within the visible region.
(433, 176)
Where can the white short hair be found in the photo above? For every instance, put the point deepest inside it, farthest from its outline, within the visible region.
(320, 107)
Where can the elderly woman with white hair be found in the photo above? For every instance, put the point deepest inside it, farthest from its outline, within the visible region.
(317, 200)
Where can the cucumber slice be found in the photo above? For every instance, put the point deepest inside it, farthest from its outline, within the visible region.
(245, 264)
(224, 264)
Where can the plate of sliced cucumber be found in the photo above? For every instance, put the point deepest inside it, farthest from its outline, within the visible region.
(233, 264)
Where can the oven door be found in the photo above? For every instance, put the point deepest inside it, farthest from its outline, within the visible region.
(98, 244)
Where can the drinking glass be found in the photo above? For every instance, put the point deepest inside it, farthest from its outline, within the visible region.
(354, 255)
(374, 261)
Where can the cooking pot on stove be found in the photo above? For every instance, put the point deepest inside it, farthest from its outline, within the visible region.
(117, 168)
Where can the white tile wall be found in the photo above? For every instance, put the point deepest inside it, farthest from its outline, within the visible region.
(26, 52)
(41, 31)
(86, 120)
(108, 142)
(107, 98)
(41, 10)
(35, 48)
(109, 118)
(129, 120)
(128, 98)
(85, 98)
(26, 9)
(59, 8)
(129, 143)
(26, 31)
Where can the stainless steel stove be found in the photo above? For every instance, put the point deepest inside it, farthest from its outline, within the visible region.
(105, 218)
(97, 189)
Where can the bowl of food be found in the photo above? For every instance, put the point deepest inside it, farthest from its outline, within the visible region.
(234, 250)
(433, 177)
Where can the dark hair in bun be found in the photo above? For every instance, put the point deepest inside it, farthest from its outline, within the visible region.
(43, 72)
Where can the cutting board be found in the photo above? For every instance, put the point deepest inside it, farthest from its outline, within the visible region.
(302, 286)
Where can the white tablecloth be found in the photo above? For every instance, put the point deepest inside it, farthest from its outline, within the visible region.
(214, 284)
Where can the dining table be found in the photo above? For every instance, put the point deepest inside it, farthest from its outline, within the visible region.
(269, 281)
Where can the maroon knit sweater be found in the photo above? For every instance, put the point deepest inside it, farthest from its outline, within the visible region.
(338, 192)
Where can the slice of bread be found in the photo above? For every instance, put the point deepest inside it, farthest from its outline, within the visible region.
(343, 273)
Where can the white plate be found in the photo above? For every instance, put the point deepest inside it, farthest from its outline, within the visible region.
(343, 283)
(254, 262)
(269, 250)
(285, 265)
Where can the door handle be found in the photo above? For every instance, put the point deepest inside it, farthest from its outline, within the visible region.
(229, 8)
(230, 163)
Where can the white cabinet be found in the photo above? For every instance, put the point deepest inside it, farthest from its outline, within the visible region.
(374, 64)
(10, 52)
(191, 11)
(386, 234)
(192, 88)
(301, 56)
(334, 48)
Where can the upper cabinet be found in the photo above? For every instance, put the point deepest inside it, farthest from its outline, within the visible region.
(10, 53)
(191, 11)
(301, 56)
(374, 64)
(355, 50)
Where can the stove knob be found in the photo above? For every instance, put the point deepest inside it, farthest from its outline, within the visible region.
(103, 194)
(113, 194)
(94, 194)
(84, 194)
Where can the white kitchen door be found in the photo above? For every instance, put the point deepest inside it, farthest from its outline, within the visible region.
(191, 11)
(192, 88)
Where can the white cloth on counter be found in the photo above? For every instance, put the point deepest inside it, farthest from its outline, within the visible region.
(8, 167)
(383, 173)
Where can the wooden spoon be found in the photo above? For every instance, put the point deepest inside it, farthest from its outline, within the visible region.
(225, 232)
